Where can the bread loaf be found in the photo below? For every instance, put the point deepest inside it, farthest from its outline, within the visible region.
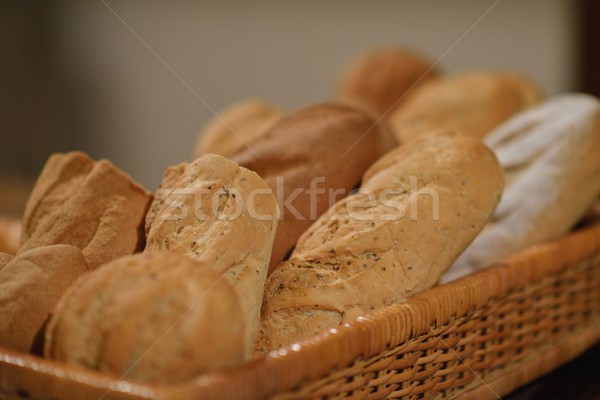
(551, 161)
(30, 285)
(472, 103)
(159, 318)
(232, 129)
(90, 205)
(4, 259)
(10, 235)
(225, 217)
(381, 79)
(393, 239)
(310, 158)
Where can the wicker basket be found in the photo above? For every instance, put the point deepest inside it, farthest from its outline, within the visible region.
(477, 338)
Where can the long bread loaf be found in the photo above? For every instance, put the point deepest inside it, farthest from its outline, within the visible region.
(392, 239)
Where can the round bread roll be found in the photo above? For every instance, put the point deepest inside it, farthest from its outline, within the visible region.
(233, 128)
(30, 285)
(472, 103)
(159, 318)
(551, 161)
(10, 235)
(392, 239)
(379, 80)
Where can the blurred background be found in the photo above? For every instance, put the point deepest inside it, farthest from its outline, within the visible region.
(134, 81)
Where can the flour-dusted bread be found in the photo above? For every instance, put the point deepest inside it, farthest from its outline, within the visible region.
(224, 216)
(233, 128)
(90, 205)
(310, 158)
(159, 318)
(551, 160)
(10, 235)
(381, 79)
(30, 285)
(392, 239)
(472, 103)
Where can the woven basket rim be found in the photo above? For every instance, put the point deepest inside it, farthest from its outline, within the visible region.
(285, 369)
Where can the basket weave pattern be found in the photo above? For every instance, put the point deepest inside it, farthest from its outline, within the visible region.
(481, 346)
(476, 338)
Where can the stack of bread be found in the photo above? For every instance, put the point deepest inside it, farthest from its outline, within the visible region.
(288, 224)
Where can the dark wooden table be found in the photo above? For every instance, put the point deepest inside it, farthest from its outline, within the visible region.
(578, 380)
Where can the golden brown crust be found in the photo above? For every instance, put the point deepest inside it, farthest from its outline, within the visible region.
(4, 259)
(224, 216)
(90, 205)
(327, 145)
(472, 103)
(381, 79)
(30, 285)
(393, 239)
(160, 318)
(10, 235)
(229, 132)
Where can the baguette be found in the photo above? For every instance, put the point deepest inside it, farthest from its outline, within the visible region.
(323, 148)
(393, 239)
(223, 216)
(551, 163)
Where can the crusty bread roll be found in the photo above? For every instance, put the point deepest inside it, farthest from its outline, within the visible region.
(159, 318)
(10, 235)
(393, 239)
(551, 160)
(4, 259)
(30, 285)
(91, 205)
(472, 103)
(381, 79)
(310, 158)
(233, 128)
(224, 216)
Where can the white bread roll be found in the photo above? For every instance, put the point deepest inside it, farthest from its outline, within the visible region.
(551, 161)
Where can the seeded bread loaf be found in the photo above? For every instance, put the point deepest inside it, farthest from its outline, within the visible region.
(30, 285)
(310, 158)
(229, 132)
(472, 103)
(393, 239)
(381, 79)
(223, 216)
(90, 205)
(159, 318)
(551, 161)
(10, 235)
